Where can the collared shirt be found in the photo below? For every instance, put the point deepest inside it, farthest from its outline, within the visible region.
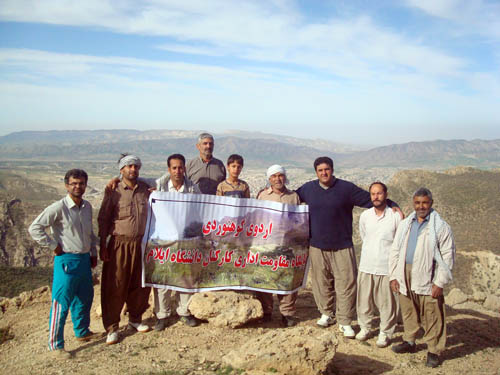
(239, 190)
(207, 175)
(377, 234)
(124, 211)
(184, 188)
(164, 183)
(70, 225)
(415, 230)
(287, 196)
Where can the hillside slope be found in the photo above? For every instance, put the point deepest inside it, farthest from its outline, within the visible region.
(473, 345)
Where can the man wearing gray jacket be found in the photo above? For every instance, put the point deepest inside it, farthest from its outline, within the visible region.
(420, 263)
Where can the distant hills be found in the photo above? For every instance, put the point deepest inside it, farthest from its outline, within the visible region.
(479, 153)
(467, 198)
(258, 149)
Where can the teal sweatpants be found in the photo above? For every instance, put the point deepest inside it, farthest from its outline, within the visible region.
(71, 290)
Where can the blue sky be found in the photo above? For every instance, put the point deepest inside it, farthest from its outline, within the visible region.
(365, 72)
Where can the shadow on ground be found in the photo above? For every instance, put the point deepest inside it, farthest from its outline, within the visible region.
(350, 364)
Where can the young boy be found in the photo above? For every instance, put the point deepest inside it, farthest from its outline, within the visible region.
(233, 186)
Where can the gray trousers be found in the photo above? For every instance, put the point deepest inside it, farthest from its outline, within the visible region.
(374, 293)
(164, 300)
(334, 278)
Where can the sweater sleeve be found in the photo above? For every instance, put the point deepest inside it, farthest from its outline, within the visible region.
(360, 197)
(300, 192)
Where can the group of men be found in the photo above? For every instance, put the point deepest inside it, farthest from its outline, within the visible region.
(403, 263)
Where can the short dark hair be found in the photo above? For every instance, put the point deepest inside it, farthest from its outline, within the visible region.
(378, 183)
(177, 157)
(76, 173)
(323, 159)
(235, 158)
(423, 192)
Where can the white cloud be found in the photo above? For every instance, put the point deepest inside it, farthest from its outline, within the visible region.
(290, 70)
(473, 16)
(260, 30)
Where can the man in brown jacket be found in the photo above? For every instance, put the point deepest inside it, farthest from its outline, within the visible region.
(122, 222)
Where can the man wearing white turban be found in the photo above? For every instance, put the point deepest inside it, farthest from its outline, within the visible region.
(122, 222)
(277, 191)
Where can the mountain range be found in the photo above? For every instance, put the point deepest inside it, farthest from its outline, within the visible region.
(258, 149)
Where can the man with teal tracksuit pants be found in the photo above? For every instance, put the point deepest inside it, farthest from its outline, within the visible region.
(74, 246)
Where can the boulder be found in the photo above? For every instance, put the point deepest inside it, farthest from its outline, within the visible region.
(492, 303)
(455, 297)
(478, 296)
(292, 351)
(227, 308)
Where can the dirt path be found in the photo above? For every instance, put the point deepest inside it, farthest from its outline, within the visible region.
(473, 346)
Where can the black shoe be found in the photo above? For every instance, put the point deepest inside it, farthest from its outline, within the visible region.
(87, 337)
(161, 324)
(190, 321)
(289, 321)
(404, 347)
(432, 360)
(266, 318)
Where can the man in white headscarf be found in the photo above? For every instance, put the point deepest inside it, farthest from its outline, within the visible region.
(277, 191)
(122, 223)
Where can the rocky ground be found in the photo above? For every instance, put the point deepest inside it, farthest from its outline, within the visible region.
(473, 345)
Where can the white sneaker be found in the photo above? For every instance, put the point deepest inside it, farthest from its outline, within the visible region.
(383, 340)
(363, 335)
(112, 338)
(347, 330)
(139, 327)
(325, 321)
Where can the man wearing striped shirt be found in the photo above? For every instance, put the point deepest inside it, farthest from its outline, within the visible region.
(74, 246)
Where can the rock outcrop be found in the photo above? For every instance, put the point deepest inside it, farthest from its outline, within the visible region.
(226, 309)
(16, 247)
(455, 297)
(292, 351)
(458, 299)
(25, 298)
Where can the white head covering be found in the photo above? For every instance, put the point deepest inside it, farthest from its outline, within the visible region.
(129, 160)
(273, 169)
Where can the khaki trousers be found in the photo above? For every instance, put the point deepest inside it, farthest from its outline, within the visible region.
(374, 293)
(121, 283)
(429, 312)
(333, 274)
(163, 302)
(287, 303)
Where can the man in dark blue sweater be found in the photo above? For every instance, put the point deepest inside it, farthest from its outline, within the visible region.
(333, 261)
